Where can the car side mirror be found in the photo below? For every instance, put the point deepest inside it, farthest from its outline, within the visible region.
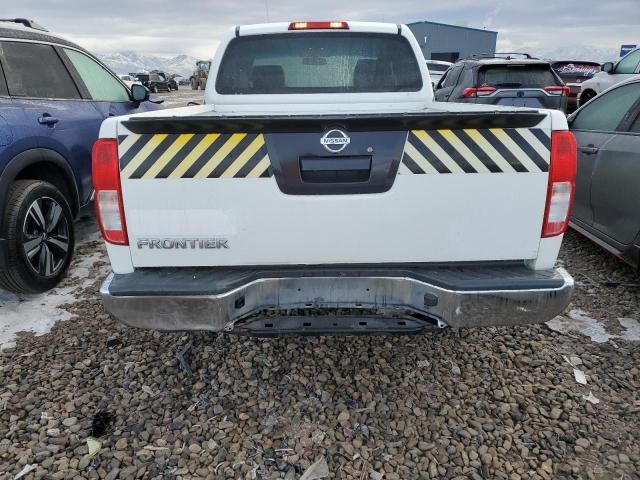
(139, 93)
(607, 67)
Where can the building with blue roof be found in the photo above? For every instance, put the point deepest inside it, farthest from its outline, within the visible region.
(440, 41)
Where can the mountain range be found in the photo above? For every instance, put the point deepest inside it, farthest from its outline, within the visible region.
(577, 52)
(130, 62)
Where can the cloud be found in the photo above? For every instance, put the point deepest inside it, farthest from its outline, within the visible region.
(195, 27)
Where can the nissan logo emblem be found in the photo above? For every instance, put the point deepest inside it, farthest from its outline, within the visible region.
(335, 140)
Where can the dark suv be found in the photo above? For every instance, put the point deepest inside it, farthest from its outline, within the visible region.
(171, 82)
(53, 97)
(153, 81)
(501, 79)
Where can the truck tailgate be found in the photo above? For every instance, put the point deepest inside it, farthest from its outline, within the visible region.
(366, 189)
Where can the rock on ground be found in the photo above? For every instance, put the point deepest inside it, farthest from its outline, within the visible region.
(271, 408)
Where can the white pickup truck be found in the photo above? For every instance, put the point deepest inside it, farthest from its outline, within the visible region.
(319, 189)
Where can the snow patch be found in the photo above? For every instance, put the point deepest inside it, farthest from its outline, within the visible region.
(39, 313)
(632, 329)
(579, 321)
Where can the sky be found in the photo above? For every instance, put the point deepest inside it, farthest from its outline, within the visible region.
(194, 27)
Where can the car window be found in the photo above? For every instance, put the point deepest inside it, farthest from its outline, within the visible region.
(605, 112)
(101, 84)
(629, 64)
(517, 76)
(34, 70)
(576, 70)
(3, 85)
(443, 79)
(436, 67)
(452, 77)
(325, 62)
(635, 126)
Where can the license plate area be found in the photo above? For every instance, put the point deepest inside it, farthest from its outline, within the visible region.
(351, 169)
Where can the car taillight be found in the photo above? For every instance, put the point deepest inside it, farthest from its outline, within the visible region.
(108, 193)
(561, 190)
(558, 90)
(477, 92)
(318, 26)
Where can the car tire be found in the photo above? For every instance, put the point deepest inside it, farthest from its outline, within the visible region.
(38, 228)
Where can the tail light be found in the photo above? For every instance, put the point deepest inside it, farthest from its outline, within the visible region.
(564, 90)
(108, 196)
(561, 190)
(318, 26)
(477, 92)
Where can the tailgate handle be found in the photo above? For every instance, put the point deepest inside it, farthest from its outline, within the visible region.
(335, 169)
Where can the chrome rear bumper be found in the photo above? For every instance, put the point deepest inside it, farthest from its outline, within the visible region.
(302, 302)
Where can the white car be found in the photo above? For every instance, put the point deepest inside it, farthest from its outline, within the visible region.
(128, 80)
(436, 70)
(320, 189)
(627, 67)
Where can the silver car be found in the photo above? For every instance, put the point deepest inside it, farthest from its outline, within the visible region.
(607, 202)
(626, 68)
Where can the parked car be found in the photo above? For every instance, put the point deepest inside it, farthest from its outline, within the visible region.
(607, 203)
(171, 83)
(53, 97)
(436, 70)
(624, 69)
(573, 74)
(128, 80)
(501, 79)
(225, 225)
(153, 81)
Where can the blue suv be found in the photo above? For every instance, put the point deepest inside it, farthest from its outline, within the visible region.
(53, 97)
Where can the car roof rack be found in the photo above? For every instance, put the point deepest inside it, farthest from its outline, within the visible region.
(502, 55)
(26, 22)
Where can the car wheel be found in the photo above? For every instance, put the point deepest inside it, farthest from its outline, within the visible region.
(586, 96)
(38, 228)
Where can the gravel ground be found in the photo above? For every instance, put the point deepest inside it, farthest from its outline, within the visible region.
(181, 97)
(486, 403)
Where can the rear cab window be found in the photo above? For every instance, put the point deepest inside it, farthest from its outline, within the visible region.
(318, 62)
(517, 75)
(35, 70)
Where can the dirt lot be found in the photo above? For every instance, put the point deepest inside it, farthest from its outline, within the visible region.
(181, 97)
(494, 403)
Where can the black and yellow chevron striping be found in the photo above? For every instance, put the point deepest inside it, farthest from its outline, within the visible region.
(494, 150)
(189, 155)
